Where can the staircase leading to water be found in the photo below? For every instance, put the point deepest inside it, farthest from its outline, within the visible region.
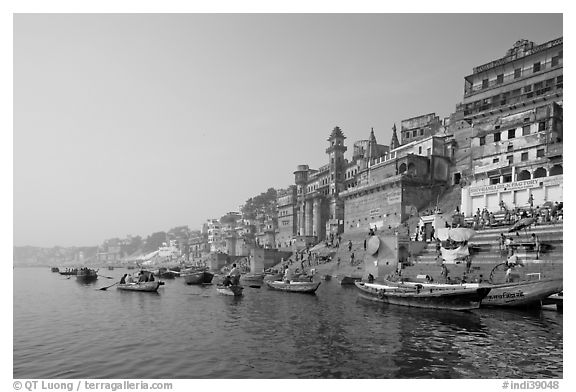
(486, 254)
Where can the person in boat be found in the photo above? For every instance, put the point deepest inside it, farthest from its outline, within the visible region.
(234, 275)
(370, 278)
(129, 279)
(123, 279)
(288, 276)
(150, 277)
(536, 242)
(227, 281)
(445, 273)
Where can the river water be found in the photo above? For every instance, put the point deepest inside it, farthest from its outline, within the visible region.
(64, 329)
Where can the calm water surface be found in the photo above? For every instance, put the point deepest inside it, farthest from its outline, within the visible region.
(64, 329)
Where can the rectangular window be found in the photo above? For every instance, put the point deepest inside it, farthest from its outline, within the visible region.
(540, 153)
(420, 150)
(482, 140)
(539, 88)
(524, 157)
(495, 160)
(407, 135)
(510, 147)
(510, 158)
(541, 126)
(415, 133)
(536, 67)
(526, 130)
(484, 83)
(508, 178)
(559, 81)
(421, 132)
(500, 79)
(494, 180)
(555, 60)
(517, 73)
(511, 133)
(497, 136)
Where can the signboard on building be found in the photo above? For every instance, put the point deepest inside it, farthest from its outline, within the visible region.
(554, 180)
(507, 186)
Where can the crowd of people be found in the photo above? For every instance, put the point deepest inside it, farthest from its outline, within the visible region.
(549, 213)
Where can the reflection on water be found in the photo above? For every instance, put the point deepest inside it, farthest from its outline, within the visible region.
(68, 330)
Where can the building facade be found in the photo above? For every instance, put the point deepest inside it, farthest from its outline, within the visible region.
(513, 109)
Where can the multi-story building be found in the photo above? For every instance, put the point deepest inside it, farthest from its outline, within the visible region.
(512, 111)
(287, 220)
(394, 186)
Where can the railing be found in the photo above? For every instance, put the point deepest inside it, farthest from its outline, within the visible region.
(509, 100)
(512, 57)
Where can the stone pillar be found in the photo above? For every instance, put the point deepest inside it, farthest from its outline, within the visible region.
(317, 218)
(308, 218)
(301, 222)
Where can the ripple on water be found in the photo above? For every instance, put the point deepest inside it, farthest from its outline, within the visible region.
(63, 329)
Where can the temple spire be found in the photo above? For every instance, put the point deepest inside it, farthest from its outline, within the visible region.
(394, 143)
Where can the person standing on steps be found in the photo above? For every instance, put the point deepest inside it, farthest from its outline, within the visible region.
(350, 246)
(352, 259)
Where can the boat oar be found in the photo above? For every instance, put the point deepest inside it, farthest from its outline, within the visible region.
(107, 277)
(107, 287)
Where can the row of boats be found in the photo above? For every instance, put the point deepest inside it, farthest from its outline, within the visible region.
(464, 296)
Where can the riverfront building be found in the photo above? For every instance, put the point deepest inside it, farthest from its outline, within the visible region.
(512, 115)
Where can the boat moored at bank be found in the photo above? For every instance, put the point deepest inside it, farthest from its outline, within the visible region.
(430, 298)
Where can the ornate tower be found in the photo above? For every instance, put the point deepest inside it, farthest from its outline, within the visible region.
(336, 161)
(394, 143)
(301, 178)
(335, 153)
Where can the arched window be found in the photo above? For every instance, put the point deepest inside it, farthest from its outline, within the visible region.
(556, 170)
(402, 168)
(540, 172)
(524, 175)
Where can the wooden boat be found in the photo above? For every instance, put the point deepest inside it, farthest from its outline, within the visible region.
(344, 280)
(554, 302)
(294, 287)
(54, 269)
(198, 277)
(417, 296)
(273, 277)
(149, 287)
(166, 273)
(87, 275)
(523, 294)
(72, 271)
(528, 293)
(252, 278)
(233, 290)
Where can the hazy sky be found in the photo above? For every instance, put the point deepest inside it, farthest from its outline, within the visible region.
(131, 124)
